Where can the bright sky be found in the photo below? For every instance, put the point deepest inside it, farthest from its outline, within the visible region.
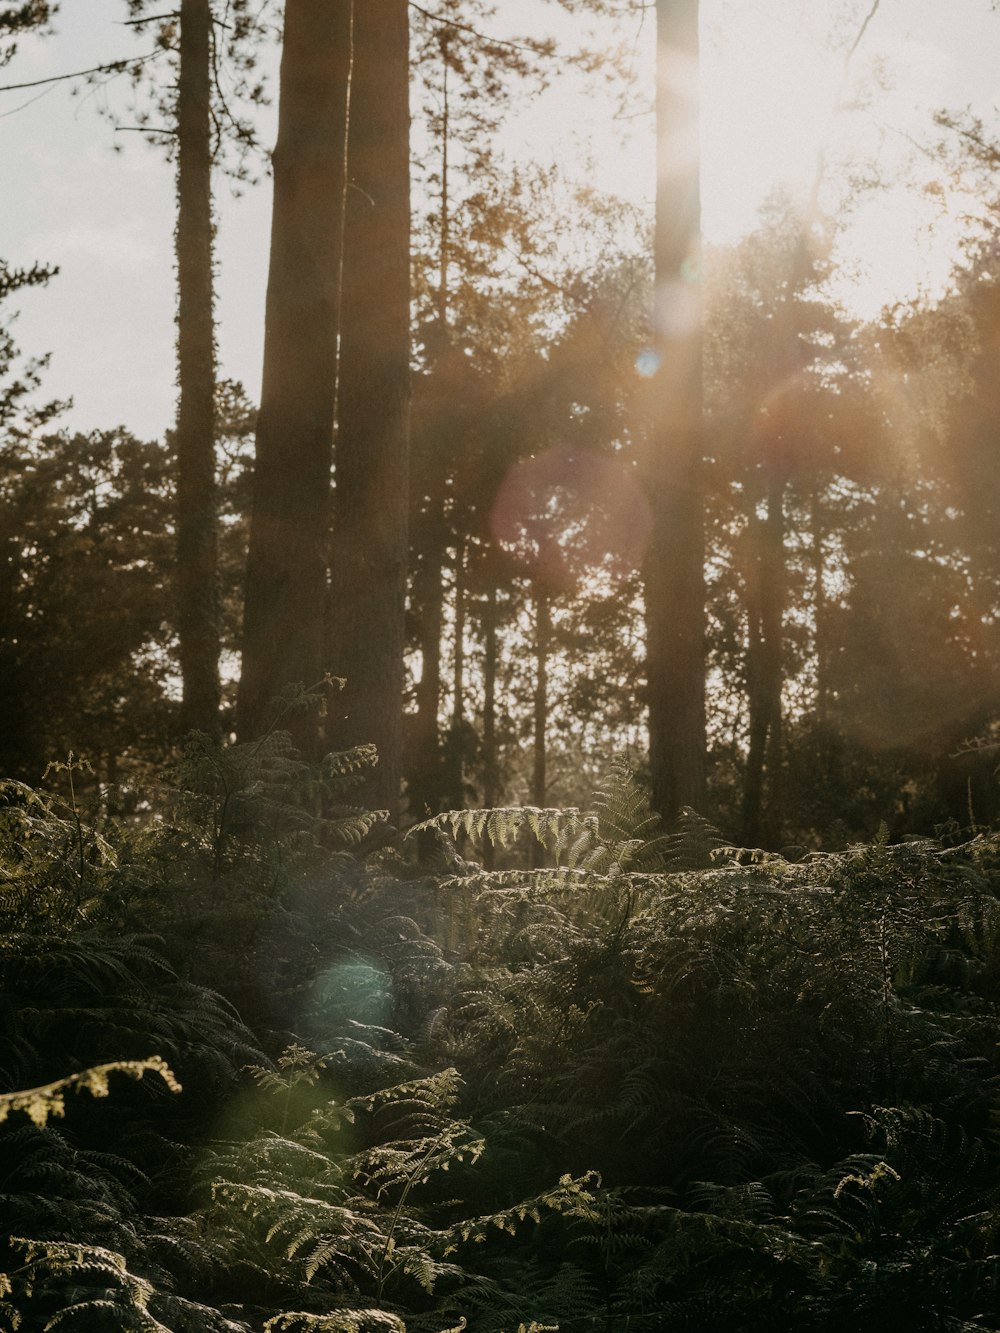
(769, 87)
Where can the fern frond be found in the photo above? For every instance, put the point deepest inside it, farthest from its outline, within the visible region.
(572, 1197)
(500, 826)
(337, 1321)
(91, 1285)
(50, 1099)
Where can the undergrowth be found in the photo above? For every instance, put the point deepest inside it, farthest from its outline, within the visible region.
(657, 1083)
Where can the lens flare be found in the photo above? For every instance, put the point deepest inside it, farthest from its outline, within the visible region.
(566, 514)
(647, 363)
(347, 992)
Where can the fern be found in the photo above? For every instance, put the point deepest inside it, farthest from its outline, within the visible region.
(619, 834)
(502, 826)
(50, 1100)
(96, 1282)
(338, 1321)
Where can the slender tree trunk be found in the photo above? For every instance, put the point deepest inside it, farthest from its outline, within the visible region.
(289, 526)
(429, 779)
(444, 221)
(491, 765)
(197, 514)
(765, 674)
(491, 757)
(458, 664)
(819, 609)
(540, 708)
(426, 781)
(674, 573)
(540, 702)
(370, 501)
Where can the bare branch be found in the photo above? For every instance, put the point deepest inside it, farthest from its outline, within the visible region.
(150, 18)
(863, 29)
(145, 129)
(535, 50)
(114, 67)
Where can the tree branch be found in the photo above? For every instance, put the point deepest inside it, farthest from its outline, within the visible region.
(144, 129)
(863, 29)
(465, 27)
(150, 18)
(115, 67)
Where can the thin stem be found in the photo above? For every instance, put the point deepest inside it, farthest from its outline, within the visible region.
(114, 67)
(414, 1177)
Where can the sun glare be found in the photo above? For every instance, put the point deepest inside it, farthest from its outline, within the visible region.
(766, 109)
(774, 104)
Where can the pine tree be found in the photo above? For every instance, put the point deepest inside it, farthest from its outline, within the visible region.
(675, 578)
(197, 509)
(204, 131)
(287, 562)
(369, 552)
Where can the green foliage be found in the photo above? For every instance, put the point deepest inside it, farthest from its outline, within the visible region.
(85, 548)
(619, 834)
(346, 1225)
(785, 1072)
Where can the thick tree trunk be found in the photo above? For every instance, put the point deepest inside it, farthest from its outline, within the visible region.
(370, 501)
(674, 573)
(197, 518)
(289, 527)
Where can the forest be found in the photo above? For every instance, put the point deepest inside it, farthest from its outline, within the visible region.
(500, 817)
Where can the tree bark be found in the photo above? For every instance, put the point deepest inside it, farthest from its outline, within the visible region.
(197, 518)
(540, 702)
(458, 661)
(491, 759)
(491, 755)
(817, 523)
(674, 573)
(426, 779)
(540, 709)
(289, 527)
(370, 501)
(764, 670)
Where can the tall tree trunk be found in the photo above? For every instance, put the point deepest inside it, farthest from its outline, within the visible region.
(491, 757)
(765, 672)
(197, 515)
(674, 573)
(540, 701)
(426, 780)
(540, 707)
(444, 220)
(453, 773)
(816, 522)
(458, 663)
(429, 778)
(370, 501)
(289, 526)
